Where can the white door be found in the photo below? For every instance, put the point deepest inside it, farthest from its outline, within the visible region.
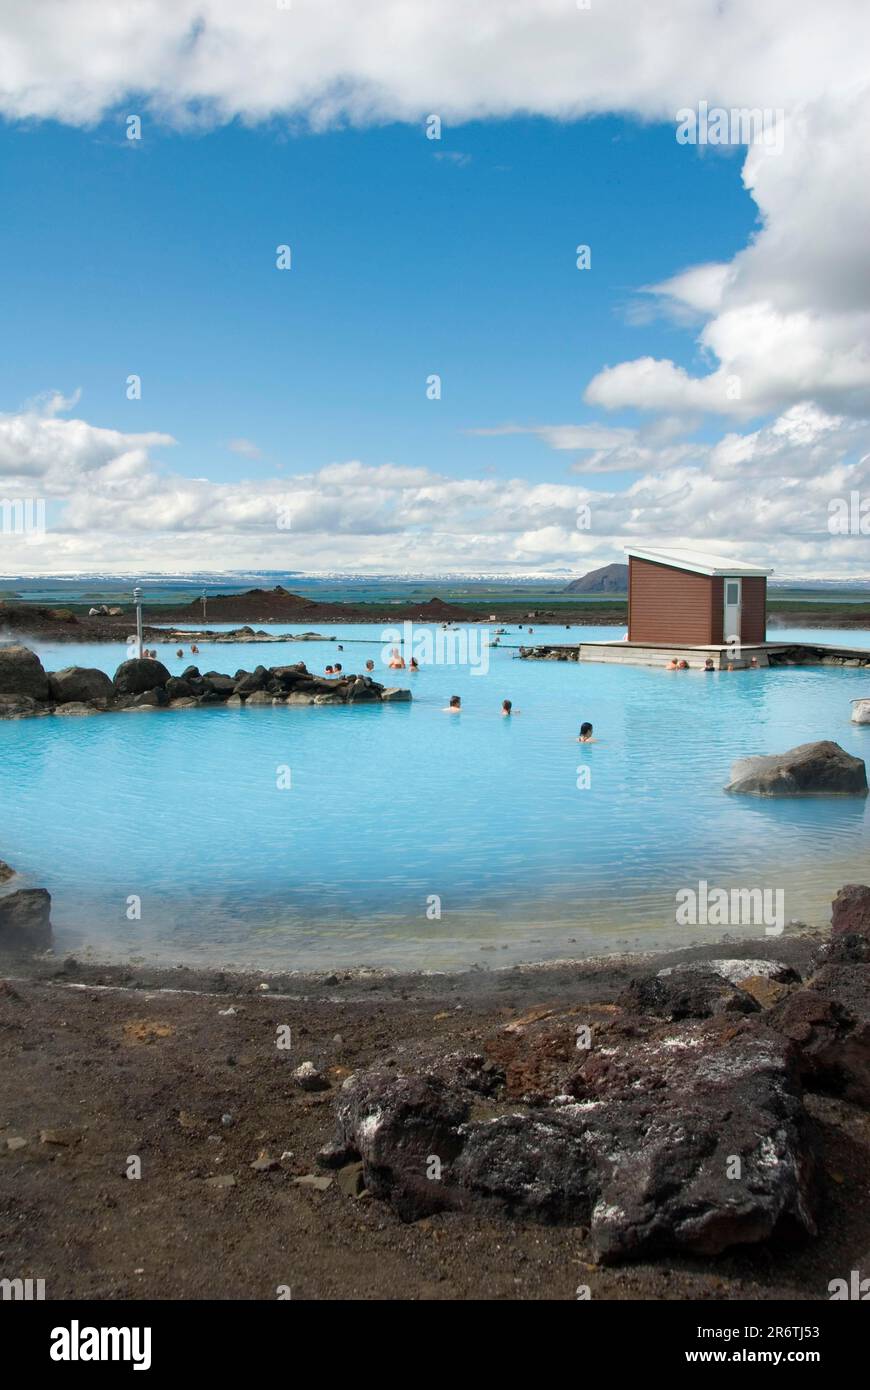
(731, 624)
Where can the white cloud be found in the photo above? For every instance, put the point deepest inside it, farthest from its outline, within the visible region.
(196, 60)
(113, 509)
(245, 447)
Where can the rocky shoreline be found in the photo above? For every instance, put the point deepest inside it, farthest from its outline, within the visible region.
(27, 690)
(82, 623)
(446, 1136)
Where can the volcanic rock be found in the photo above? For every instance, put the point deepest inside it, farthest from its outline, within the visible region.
(22, 673)
(25, 920)
(829, 1024)
(139, 674)
(686, 994)
(810, 769)
(659, 1136)
(78, 684)
(850, 911)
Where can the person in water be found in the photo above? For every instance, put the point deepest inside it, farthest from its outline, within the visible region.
(328, 671)
(708, 664)
(413, 664)
(337, 668)
(455, 706)
(683, 666)
(370, 665)
(507, 708)
(586, 733)
(180, 652)
(673, 664)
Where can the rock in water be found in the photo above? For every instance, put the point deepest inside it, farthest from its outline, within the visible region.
(811, 769)
(861, 711)
(139, 674)
(78, 684)
(22, 673)
(25, 920)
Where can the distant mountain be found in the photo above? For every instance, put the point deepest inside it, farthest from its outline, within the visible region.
(610, 579)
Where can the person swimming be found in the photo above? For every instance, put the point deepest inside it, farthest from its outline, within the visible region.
(337, 668)
(454, 707)
(328, 671)
(507, 708)
(180, 652)
(708, 664)
(673, 664)
(586, 733)
(370, 665)
(683, 666)
(413, 664)
(397, 662)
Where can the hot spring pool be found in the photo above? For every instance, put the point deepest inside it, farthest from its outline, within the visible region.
(394, 807)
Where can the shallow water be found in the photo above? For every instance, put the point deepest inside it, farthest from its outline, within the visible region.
(394, 806)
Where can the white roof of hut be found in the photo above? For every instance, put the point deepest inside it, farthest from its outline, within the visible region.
(699, 561)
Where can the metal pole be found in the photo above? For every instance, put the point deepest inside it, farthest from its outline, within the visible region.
(137, 599)
(203, 604)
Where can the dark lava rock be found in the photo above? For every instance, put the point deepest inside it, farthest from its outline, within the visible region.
(689, 994)
(177, 688)
(157, 696)
(290, 676)
(218, 684)
(139, 674)
(846, 950)
(659, 1136)
(850, 911)
(251, 681)
(22, 673)
(25, 920)
(6, 872)
(363, 688)
(829, 1024)
(80, 684)
(809, 769)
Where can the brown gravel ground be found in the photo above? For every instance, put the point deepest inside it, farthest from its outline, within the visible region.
(100, 1064)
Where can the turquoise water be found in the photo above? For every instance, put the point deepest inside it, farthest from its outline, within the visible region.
(392, 806)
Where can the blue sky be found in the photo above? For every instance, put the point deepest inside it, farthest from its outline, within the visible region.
(410, 256)
(706, 383)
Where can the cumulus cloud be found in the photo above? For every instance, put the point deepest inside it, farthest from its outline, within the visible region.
(214, 60)
(114, 507)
